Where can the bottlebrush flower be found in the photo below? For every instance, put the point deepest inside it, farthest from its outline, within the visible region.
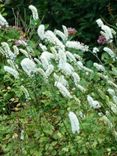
(78, 57)
(76, 78)
(77, 45)
(62, 57)
(111, 91)
(34, 12)
(55, 52)
(12, 71)
(63, 90)
(28, 66)
(26, 93)
(21, 42)
(93, 103)
(75, 125)
(80, 65)
(112, 83)
(12, 64)
(43, 47)
(66, 68)
(3, 21)
(115, 99)
(106, 30)
(65, 30)
(41, 31)
(81, 88)
(109, 51)
(16, 50)
(46, 59)
(51, 37)
(60, 34)
(99, 22)
(70, 56)
(99, 67)
(49, 70)
(113, 107)
(9, 54)
(61, 79)
(107, 33)
(37, 61)
(106, 121)
(42, 72)
(24, 52)
(95, 50)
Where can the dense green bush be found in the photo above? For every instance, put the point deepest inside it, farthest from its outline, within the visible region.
(49, 73)
(80, 14)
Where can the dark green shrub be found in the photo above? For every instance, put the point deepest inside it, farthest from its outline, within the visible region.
(80, 14)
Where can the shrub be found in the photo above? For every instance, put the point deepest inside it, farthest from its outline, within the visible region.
(59, 86)
(80, 14)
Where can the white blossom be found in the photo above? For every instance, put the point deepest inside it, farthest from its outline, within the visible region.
(80, 65)
(112, 83)
(46, 59)
(3, 21)
(70, 56)
(107, 33)
(65, 30)
(99, 22)
(24, 52)
(109, 51)
(41, 31)
(12, 64)
(43, 47)
(113, 107)
(77, 45)
(16, 50)
(2, 51)
(62, 58)
(60, 34)
(93, 103)
(28, 66)
(87, 69)
(78, 57)
(106, 121)
(76, 78)
(25, 91)
(75, 125)
(51, 37)
(106, 30)
(37, 61)
(22, 135)
(111, 91)
(34, 12)
(95, 50)
(12, 71)
(61, 79)
(54, 51)
(42, 72)
(81, 88)
(8, 52)
(99, 67)
(115, 99)
(49, 70)
(66, 69)
(63, 90)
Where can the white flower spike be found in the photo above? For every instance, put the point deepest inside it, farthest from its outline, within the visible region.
(75, 125)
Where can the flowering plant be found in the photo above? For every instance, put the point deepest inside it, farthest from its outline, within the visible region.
(81, 101)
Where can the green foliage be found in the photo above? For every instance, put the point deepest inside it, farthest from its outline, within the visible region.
(41, 126)
(80, 14)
